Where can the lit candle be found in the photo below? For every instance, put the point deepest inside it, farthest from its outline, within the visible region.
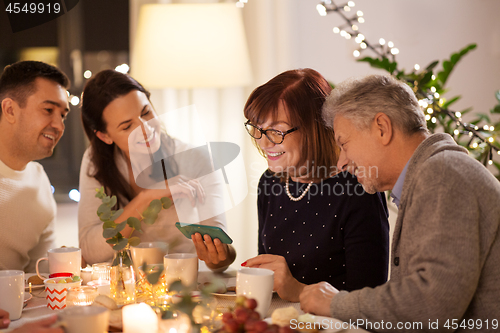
(139, 318)
(30, 287)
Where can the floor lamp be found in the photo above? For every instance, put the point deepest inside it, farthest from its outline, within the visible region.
(188, 46)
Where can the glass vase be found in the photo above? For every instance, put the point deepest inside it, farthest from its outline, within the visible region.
(122, 278)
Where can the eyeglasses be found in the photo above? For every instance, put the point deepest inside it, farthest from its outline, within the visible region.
(273, 135)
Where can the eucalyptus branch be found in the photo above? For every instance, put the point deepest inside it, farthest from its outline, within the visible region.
(112, 230)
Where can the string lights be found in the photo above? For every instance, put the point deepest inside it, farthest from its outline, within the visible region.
(482, 141)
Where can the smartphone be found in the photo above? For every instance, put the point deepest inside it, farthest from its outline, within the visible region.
(214, 232)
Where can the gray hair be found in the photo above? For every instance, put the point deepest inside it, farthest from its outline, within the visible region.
(360, 99)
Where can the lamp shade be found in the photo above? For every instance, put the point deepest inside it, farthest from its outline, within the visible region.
(191, 46)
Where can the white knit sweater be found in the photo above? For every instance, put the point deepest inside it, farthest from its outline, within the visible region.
(27, 215)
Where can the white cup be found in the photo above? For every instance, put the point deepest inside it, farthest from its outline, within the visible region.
(256, 283)
(12, 292)
(63, 260)
(181, 266)
(85, 319)
(150, 253)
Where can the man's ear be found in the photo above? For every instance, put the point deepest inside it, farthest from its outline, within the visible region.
(9, 107)
(104, 137)
(383, 126)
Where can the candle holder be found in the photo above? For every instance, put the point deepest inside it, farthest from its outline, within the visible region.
(101, 271)
(81, 296)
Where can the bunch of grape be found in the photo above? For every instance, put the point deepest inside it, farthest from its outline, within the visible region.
(244, 318)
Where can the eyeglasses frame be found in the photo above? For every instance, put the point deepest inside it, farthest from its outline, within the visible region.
(264, 132)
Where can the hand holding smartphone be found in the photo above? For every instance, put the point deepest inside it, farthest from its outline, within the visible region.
(214, 232)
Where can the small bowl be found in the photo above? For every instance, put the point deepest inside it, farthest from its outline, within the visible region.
(55, 292)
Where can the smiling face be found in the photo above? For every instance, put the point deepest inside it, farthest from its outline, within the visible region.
(40, 124)
(131, 124)
(285, 156)
(359, 153)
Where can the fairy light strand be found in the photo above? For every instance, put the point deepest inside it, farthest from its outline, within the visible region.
(429, 100)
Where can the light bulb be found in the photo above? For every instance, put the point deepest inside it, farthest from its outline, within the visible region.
(417, 67)
(351, 4)
(490, 139)
(492, 128)
(436, 95)
(363, 45)
(381, 41)
(498, 152)
(347, 9)
(390, 44)
(433, 77)
(87, 74)
(427, 117)
(356, 53)
(433, 120)
(476, 128)
(359, 13)
(474, 145)
(456, 132)
(361, 20)
(74, 100)
(336, 30)
(430, 111)
(347, 36)
(321, 9)
(458, 114)
(490, 162)
(355, 27)
(486, 127)
(343, 33)
(433, 89)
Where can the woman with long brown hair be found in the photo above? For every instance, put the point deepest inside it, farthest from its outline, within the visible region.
(127, 145)
(316, 223)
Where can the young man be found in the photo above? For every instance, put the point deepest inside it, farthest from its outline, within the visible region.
(445, 265)
(34, 104)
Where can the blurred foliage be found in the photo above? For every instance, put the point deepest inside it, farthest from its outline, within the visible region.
(480, 136)
(112, 230)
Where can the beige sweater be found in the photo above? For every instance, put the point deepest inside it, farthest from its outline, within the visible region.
(27, 215)
(445, 266)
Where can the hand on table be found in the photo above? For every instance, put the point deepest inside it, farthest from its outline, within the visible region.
(41, 326)
(287, 287)
(4, 319)
(316, 298)
(213, 252)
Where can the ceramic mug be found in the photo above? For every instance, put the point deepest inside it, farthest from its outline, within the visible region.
(256, 283)
(181, 266)
(150, 253)
(12, 292)
(85, 319)
(62, 260)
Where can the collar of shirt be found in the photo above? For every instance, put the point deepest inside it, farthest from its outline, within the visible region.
(398, 187)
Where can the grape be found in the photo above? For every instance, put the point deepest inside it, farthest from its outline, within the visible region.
(226, 316)
(251, 303)
(231, 326)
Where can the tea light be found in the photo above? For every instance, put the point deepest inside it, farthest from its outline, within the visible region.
(139, 318)
(86, 274)
(81, 296)
(101, 271)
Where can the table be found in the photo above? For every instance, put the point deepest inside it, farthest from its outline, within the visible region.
(36, 308)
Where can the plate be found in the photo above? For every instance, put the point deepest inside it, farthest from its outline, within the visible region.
(27, 297)
(325, 324)
(33, 286)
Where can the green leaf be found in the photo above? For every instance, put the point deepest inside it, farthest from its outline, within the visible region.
(448, 65)
(121, 226)
(121, 245)
(116, 214)
(155, 206)
(134, 241)
(149, 220)
(176, 286)
(166, 202)
(426, 79)
(377, 63)
(154, 277)
(497, 95)
(103, 208)
(432, 65)
(113, 240)
(450, 102)
(112, 202)
(135, 223)
(105, 216)
(496, 109)
(484, 117)
(109, 225)
(109, 232)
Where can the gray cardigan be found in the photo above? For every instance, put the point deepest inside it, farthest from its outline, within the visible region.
(445, 263)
